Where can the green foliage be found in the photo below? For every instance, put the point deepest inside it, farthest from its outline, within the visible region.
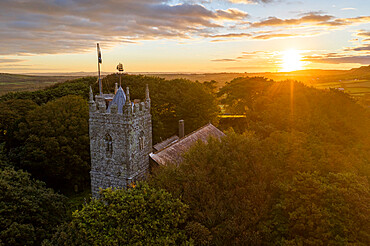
(225, 185)
(172, 100)
(233, 186)
(138, 216)
(322, 210)
(53, 143)
(29, 212)
(12, 111)
(308, 129)
(330, 115)
(240, 94)
(292, 152)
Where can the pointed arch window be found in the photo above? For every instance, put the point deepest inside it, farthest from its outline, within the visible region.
(108, 145)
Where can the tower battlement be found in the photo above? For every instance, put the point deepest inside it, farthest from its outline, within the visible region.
(120, 139)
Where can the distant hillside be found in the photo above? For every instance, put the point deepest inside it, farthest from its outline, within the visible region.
(21, 82)
(310, 76)
(355, 81)
(363, 71)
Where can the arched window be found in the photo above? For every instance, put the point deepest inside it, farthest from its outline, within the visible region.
(108, 144)
(141, 141)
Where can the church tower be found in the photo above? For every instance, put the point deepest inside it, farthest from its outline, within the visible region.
(120, 139)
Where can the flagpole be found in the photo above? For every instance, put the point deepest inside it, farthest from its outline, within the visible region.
(99, 61)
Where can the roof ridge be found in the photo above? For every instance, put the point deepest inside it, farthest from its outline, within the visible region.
(184, 137)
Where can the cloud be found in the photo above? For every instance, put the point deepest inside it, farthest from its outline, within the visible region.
(224, 60)
(276, 35)
(268, 58)
(262, 57)
(311, 19)
(52, 27)
(308, 24)
(6, 60)
(363, 33)
(337, 58)
(251, 1)
(365, 47)
(308, 18)
(232, 14)
(231, 35)
(348, 9)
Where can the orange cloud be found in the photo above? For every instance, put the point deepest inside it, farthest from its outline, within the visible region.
(311, 19)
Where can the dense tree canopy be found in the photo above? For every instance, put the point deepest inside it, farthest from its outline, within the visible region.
(246, 194)
(12, 111)
(322, 210)
(330, 115)
(240, 94)
(172, 100)
(329, 125)
(29, 212)
(297, 175)
(288, 179)
(138, 216)
(51, 140)
(53, 143)
(225, 185)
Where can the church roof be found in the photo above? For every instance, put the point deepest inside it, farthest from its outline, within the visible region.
(119, 99)
(173, 152)
(166, 142)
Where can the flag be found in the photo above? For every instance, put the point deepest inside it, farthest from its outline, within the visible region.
(99, 53)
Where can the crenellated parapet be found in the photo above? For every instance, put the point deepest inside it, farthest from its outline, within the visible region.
(119, 103)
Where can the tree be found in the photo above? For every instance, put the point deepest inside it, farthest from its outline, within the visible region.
(138, 216)
(171, 100)
(12, 111)
(239, 94)
(29, 212)
(225, 185)
(53, 143)
(322, 210)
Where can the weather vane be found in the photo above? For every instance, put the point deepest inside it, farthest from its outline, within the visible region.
(120, 70)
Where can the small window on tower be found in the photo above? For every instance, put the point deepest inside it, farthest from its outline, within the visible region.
(108, 144)
(141, 141)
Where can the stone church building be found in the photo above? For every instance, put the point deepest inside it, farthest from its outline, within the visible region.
(121, 140)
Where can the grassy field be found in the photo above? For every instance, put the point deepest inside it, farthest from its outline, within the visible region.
(19, 82)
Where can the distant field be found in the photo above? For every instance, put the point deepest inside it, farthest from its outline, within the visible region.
(355, 81)
(356, 88)
(18, 82)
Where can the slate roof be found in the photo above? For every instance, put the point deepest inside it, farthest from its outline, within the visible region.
(166, 142)
(173, 152)
(119, 99)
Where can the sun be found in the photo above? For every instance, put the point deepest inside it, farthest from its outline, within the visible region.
(291, 61)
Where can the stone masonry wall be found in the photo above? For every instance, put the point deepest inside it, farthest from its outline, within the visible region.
(120, 145)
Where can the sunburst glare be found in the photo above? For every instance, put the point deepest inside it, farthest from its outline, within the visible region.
(291, 61)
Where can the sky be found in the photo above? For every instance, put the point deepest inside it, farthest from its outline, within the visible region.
(59, 36)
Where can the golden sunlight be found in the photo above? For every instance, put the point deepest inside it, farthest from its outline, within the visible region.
(291, 61)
